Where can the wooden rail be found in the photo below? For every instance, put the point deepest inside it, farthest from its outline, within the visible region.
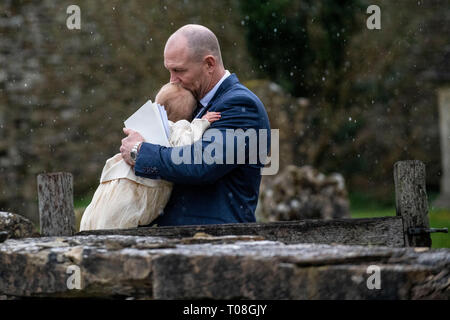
(409, 228)
(386, 231)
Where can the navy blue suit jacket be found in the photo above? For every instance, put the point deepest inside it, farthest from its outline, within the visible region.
(221, 192)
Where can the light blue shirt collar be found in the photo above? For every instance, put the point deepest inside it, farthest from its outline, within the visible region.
(207, 98)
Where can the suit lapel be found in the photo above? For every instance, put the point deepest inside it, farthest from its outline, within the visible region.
(226, 84)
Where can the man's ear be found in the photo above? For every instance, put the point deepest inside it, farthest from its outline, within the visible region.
(210, 62)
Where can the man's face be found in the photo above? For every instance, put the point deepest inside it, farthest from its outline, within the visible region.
(184, 70)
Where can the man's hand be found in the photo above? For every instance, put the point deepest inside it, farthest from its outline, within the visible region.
(211, 116)
(128, 144)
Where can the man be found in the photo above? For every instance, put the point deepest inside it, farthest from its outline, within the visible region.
(205, 193)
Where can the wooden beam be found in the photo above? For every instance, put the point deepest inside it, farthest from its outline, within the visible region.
(385, 231)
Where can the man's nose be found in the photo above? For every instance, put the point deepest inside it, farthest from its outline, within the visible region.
(174, 79)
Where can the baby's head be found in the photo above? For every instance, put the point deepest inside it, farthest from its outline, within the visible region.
(178, 102)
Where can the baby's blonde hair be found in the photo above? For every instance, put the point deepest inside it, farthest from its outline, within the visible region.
(178, 102)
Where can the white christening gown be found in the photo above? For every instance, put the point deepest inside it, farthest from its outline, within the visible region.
(124, 200)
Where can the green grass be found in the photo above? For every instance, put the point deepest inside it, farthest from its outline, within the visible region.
(362, 206)
(80, 205)
(82, 202)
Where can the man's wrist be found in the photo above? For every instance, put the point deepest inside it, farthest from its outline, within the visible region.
(134, 151)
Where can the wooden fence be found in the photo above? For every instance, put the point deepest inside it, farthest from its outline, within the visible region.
(409, 228)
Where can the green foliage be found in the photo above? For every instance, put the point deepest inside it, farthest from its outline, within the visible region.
(303, 46)
(372, 97)
(297, 43)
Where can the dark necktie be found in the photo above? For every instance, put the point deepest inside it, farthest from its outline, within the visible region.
(198, 109)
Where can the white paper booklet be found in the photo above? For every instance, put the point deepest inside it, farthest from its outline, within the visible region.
(151, 122)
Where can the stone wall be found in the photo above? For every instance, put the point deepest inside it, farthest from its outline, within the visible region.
(298, 193)
(205, 267)
(64, 94)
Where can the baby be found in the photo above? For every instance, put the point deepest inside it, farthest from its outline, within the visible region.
(180, 105)
(124, 200)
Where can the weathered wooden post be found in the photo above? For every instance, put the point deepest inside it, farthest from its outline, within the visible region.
(411, 202)
(56, 211)
(443, 200)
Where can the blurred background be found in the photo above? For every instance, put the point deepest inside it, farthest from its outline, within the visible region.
(346, 99)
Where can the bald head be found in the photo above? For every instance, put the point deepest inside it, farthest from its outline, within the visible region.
(192, 56)
(200, 41)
